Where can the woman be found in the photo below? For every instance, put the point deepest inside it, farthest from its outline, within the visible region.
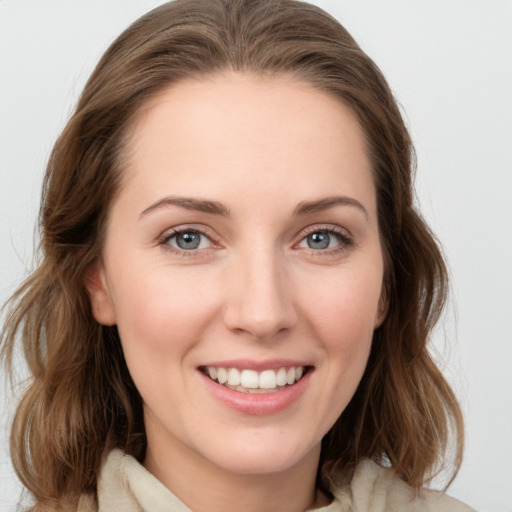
(236, 292)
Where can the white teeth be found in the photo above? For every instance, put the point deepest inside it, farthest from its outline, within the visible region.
(233, 377)
(268, 379)
(292, 374)
(281, 377)
(222, 375)
(251, 380)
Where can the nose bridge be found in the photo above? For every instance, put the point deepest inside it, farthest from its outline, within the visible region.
(261, 294)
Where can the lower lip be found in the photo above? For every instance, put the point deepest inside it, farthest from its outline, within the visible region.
(257, 404)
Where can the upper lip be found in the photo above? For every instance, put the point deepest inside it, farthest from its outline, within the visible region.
(259, 366)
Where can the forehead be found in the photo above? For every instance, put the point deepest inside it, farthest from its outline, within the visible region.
(230, 99)
(241, 128)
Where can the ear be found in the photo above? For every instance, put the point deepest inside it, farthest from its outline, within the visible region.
(382, 307)
(99, 294)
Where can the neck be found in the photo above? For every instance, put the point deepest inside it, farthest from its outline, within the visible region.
(184, 471)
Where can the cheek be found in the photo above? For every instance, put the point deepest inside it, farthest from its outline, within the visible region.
(343, 319)
(340, 312)
(161, 318)
(345, 306)
(158, 314)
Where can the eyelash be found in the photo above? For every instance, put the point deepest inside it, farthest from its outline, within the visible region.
(344, 239)
(164, 240)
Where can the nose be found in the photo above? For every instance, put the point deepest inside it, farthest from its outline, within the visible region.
(260, 301)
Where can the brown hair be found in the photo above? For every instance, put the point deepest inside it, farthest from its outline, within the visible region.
(81, 401)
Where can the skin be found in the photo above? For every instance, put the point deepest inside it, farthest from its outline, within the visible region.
(253, 290)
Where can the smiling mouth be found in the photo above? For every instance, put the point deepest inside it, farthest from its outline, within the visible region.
(252, 381)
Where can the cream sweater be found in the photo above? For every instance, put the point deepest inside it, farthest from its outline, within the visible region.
(125, 486)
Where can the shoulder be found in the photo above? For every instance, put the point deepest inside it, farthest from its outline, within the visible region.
(376, 489)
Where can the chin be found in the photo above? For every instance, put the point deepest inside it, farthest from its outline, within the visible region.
(258, 457)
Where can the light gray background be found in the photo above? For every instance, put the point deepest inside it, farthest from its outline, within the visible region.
(449, 63)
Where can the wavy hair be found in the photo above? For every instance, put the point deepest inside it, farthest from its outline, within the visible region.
(81, 401)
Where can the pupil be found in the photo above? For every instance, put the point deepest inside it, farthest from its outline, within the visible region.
(188, 240)
(319, 240)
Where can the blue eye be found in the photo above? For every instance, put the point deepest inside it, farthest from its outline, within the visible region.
(323, 239)
(188, 240)
(320, 240)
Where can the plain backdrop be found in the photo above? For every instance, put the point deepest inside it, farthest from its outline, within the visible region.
(449, 63)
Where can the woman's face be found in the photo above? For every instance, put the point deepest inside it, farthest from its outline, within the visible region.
(243, 245)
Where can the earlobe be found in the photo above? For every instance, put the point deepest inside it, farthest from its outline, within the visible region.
(382, 308)
(99, 294)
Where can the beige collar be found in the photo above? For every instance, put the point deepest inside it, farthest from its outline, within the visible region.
(126, 486)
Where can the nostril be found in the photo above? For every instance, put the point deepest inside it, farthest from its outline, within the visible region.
(260, 322)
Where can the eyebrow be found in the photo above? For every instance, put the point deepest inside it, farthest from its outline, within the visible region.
(308, 207)
(189, 203)
(216, 208)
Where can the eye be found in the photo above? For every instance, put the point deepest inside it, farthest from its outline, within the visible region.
(320, 240)
(325, 240)
(187, 240)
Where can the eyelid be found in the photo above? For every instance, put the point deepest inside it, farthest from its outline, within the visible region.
(334, 228)
(344, 235)
(169, 233)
